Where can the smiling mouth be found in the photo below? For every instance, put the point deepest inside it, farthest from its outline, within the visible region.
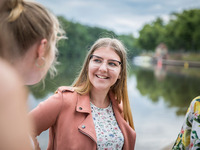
(101, 77)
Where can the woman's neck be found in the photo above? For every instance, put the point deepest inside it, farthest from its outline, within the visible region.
(99, 99)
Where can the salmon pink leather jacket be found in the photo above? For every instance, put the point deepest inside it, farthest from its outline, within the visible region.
(68, 117)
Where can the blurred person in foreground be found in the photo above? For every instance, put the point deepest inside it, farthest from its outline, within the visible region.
(28, 36)
(189, 136)
(95, 112)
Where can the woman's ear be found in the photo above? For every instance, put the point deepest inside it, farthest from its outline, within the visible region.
(42, 47)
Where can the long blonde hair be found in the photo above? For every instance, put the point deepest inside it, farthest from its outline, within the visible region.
(82, 84)
(27, 22)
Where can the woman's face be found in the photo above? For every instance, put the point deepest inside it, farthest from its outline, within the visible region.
(104, 68)
(35, 69)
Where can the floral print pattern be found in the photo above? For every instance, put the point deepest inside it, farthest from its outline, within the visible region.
(189, 137)
(109, 135)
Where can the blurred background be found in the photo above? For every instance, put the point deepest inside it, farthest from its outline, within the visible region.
(162, 38)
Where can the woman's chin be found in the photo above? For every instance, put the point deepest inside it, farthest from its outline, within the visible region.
(32, 82)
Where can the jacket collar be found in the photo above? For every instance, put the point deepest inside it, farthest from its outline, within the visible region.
(83, 104)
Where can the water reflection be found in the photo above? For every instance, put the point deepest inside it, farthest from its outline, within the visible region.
(159, 100)
(176, 89)
(156, 125)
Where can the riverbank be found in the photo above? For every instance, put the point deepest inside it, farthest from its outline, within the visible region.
(183, 56)
(177, 63)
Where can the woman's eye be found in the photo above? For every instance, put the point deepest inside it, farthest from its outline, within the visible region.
(97, 60)
(112, 64)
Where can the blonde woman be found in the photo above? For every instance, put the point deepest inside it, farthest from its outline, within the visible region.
(30, 41)
(94, 113)
(28, 35)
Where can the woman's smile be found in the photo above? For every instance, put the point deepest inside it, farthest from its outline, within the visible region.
(102, 76)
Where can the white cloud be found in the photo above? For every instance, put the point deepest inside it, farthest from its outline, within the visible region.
(126, 16)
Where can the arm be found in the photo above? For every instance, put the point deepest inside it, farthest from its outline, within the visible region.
(45, 114)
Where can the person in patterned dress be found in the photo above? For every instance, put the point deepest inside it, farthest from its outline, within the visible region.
(189, 136)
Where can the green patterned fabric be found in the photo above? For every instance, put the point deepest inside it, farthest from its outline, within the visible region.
(189, 136)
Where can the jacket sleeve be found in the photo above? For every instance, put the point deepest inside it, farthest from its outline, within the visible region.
(45, 114)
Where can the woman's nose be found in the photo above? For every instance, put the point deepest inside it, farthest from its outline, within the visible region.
(103, 66)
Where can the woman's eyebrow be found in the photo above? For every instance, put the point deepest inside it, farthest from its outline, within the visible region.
(108, 59)
(97, 56)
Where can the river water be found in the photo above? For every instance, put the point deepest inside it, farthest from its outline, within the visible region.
(159, 98)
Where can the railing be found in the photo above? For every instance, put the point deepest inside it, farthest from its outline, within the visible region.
(185, 64)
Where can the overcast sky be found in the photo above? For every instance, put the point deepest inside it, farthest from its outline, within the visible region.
(120, 16)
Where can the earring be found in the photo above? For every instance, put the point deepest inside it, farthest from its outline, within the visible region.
(40, 62)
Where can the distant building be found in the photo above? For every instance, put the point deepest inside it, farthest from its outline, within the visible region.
(161, 51)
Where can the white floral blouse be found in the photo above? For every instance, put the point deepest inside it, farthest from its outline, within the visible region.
(189, 137)
(109, 135)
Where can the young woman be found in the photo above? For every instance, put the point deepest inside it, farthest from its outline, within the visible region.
(95, 112)
(32, 31)
(28, 34)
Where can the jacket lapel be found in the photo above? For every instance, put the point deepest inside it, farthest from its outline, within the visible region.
(87, 126)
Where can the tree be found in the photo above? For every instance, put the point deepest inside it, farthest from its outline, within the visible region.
(184, 30)
(151, 35)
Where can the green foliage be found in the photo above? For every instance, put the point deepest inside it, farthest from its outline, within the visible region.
(182, 32)
(81, 37)
(151, 35)
(130, 44)
(186, 30)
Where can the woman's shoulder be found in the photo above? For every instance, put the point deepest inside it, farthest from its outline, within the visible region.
(58, 96)
(65, 93)
(55, 102)
(194, 105)
(64, 89)
(195, 101)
